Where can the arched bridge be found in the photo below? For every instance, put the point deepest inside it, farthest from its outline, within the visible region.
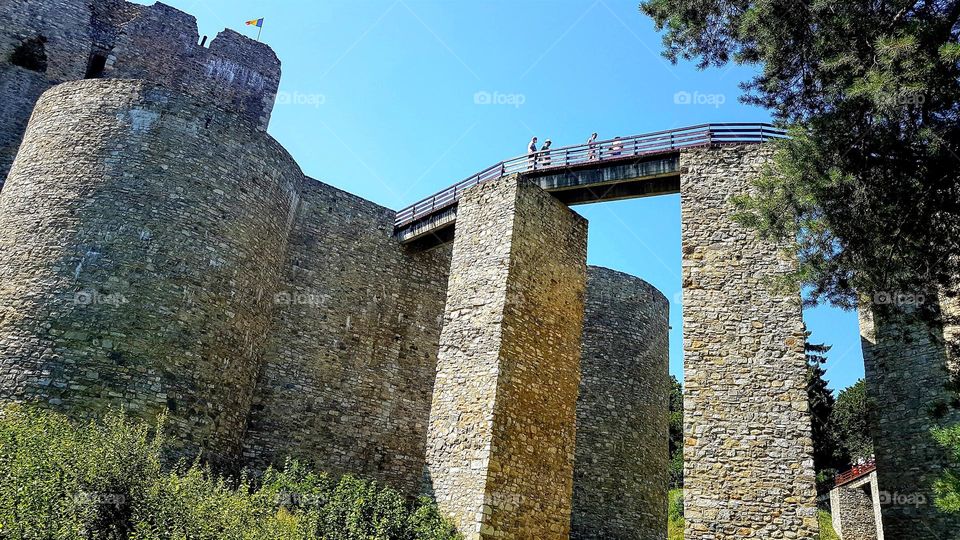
(620, 168)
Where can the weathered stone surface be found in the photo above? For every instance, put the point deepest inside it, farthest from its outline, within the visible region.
(500, 445)
(748, 470)
(65, 24)
(160, 43)
(352, 352)
(620, 476)
(907, 370)
(142, 237)
(156, 43)
(179, 260)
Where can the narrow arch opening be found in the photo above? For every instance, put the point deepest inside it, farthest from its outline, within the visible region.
(96, 65)
(31, 54)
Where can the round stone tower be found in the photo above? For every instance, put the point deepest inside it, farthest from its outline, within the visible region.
(620, 476)
(142, 234)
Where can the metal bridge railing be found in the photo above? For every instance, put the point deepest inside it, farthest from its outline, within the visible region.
(659, 142)
(857, 471)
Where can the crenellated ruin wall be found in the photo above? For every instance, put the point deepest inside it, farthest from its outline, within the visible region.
(81, 39)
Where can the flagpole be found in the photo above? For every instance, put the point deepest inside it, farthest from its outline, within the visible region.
(259, 31)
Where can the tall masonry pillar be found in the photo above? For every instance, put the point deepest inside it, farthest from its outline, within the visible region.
(748, 466)
(500, 444)
(907, 369)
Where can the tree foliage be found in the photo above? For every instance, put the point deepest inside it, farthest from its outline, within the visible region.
(947, 487)
(676, 433)
(866, 189)
(851, 423)
(820, 397)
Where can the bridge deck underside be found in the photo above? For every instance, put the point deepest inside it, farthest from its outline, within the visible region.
(605, 181)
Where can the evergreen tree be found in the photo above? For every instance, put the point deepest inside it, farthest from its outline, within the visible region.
(825, 448)
(867, 187)
(821, 406)
(851, 422)
(676, 433)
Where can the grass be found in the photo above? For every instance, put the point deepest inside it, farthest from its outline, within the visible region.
(675, 524)
(826, 526)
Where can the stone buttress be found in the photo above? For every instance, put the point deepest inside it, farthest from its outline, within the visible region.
(500, 446)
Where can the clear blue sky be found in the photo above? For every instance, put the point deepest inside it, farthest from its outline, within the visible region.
(382, 101)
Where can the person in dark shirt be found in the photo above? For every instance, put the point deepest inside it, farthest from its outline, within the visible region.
(545, 153)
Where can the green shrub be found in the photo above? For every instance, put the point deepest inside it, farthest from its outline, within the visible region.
(675, 504)
(826, 480)
(106, 480)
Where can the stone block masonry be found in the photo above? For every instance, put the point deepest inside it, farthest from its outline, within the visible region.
(65, 25)
(81, 39)
(179, 260)
(500, 446)
(907, 370)
(748, 470)
(351, 358)
(620, 477)
(142, 239)
(159, 253)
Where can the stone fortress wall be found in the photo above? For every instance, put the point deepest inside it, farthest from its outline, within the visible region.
(504, 406)
(747, 444)
(160, 252)
(131, 276)
(81, 39)
(351, 357)
(908, 459)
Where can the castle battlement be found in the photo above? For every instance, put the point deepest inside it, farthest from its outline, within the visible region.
(46, 43)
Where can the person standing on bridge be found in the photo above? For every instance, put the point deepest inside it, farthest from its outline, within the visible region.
(532, 153)
(617, 147)
(545, 153)
(592, 145)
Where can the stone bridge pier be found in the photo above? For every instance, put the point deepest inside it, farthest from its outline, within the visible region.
(748, 469)
(501, 439)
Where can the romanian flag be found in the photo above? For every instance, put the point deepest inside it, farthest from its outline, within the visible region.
(256, 22)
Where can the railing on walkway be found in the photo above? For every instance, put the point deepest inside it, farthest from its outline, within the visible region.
(855, 472)
(659, 142)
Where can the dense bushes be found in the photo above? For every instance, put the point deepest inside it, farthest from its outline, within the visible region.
(106, 480)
